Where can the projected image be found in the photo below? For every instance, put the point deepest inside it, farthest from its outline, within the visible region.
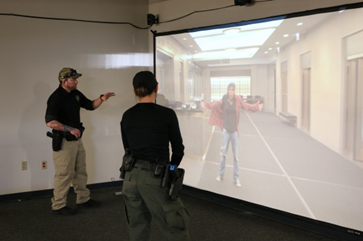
(271, 111)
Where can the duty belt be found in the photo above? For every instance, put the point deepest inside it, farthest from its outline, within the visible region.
(144, 165)
(67, 135)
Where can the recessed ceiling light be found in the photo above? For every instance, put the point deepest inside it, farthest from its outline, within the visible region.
(297, 35)
(286, 35)
(184, 39)
(269, 48)
(277, 43)
(191, 46)
(299, 24)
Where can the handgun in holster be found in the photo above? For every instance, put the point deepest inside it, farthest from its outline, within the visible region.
(57, 138)
(127, 164)
(173, 179)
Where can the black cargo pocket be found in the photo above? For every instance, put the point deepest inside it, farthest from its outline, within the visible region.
(176, 216)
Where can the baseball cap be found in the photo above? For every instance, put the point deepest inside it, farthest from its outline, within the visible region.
(145, 78)
(68, 73)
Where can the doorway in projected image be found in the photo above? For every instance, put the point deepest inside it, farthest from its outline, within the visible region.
(354, 100)
(284, 87)
(353, 142)
(305, 88)
(164, 71)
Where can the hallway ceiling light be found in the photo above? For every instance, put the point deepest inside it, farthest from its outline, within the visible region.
(237, 54)
(230, 50)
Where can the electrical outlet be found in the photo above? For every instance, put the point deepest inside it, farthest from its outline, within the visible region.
(44, 165)
(24, 165)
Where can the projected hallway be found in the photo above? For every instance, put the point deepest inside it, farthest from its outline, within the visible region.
(283, 168)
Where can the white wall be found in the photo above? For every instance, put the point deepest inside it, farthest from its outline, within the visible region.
(32, 52)
(172, 9)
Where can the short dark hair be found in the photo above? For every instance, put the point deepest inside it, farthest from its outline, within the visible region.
(142, 91)
(144, 83)
(231, 85)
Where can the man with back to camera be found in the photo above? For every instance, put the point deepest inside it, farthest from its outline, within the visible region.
(63, 116)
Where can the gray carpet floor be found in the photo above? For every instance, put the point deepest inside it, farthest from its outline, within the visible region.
(32, 219)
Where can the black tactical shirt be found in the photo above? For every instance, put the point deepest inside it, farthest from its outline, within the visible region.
(65, 107)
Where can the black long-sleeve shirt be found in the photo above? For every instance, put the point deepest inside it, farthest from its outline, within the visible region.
(147, 129)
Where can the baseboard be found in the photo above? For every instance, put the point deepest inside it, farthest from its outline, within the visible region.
(49, 192)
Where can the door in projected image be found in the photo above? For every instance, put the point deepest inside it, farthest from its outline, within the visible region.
(305, 60)
(165, 72)
(305, 110)
(354, 105)
(181, 82)
(284, 92)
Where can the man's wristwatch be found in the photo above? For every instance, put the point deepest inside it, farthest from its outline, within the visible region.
(101, 97)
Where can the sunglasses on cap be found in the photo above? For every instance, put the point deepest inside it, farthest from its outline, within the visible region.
(71, 74)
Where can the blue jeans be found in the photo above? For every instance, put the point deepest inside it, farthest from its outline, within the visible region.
(229, 138)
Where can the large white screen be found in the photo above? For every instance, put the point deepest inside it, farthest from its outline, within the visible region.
(303, 153)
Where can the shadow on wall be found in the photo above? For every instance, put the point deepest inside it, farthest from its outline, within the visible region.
(34, 142)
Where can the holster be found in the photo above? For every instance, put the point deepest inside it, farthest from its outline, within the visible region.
(127, 164)
(57, 138)
(173, 179)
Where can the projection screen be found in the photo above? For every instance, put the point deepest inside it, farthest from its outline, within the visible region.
(302, 153)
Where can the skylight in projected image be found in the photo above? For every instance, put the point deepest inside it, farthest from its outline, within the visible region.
(249, 27)
(239, 40)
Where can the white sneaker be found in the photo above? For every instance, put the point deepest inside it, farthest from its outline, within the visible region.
(238, 184)
(219, 178)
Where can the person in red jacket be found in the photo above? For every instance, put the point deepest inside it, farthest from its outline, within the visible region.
(225, 114)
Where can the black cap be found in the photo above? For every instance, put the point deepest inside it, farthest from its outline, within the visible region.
(145, 78)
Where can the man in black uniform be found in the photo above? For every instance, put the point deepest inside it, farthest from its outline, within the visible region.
(147, 129)
(63, 116)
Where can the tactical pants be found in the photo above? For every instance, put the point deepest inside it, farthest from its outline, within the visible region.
(146, 200)
(70, 168)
